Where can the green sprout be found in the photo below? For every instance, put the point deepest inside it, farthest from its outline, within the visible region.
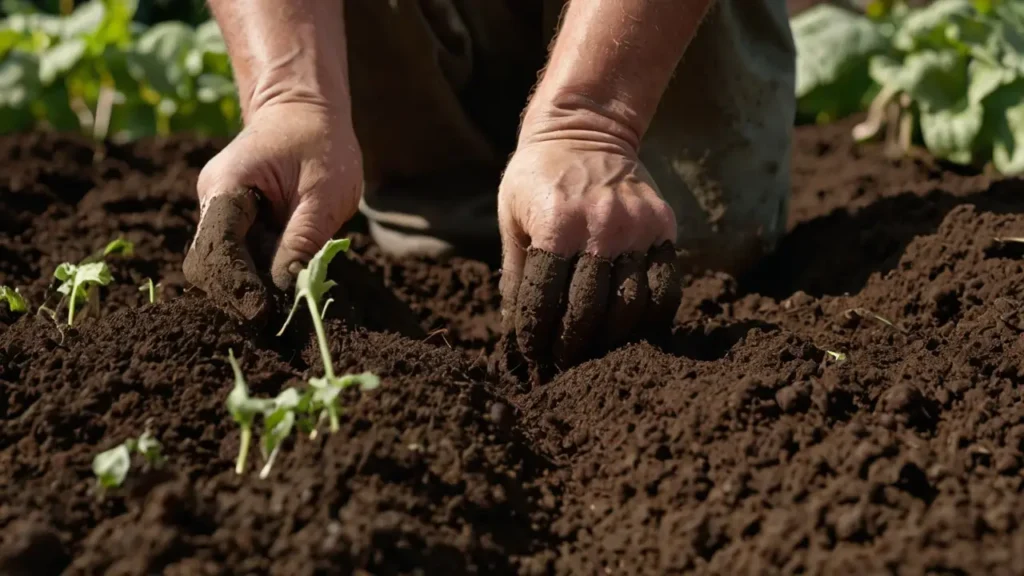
(77, 280)
(111, 467)
(119, 247)
(839, 357)
(150, 289)
(311, 286)
(14, 299)
(244, 409)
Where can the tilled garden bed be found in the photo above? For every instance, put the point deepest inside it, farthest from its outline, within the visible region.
(853, 406)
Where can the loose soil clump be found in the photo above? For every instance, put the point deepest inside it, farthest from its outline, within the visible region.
(853, 405)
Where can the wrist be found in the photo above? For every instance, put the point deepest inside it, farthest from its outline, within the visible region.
(580, 116)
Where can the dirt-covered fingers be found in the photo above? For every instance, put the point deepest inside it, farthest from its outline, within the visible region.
(219, 262)
(586, 301)
(665, 289)
(538, 305)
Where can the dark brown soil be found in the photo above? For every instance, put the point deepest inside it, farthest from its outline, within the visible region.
(741, 446)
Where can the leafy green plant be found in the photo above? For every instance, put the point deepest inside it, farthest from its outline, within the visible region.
(950, 75)
(77, 280)
(97, 70)
(15, 301)
(311, 286)
(150, 289)
(111, 467)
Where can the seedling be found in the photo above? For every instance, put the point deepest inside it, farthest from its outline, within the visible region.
(78, 280)
(838, 357)
(865, 313)
(243, 409)
(14, 299)
(150, 289)
(111, 467)
(311, 285)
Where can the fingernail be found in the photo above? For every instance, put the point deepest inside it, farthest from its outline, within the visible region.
(295, 267)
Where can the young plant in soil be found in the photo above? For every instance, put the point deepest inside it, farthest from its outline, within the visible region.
(77, 280)
(150, 289)
(14, 300)
(244, 409)
(311, 286)
(111, 467)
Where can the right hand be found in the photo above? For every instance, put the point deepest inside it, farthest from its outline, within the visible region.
(305, 160)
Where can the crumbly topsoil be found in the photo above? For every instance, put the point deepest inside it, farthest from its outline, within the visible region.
(744, 445)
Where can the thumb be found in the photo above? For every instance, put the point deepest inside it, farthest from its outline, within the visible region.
(308, 229)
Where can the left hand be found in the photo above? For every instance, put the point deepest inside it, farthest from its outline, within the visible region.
(588, 250)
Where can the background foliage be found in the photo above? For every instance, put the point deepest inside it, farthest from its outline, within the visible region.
(117, 69)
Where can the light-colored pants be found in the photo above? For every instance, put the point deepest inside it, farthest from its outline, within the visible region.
(438, 87)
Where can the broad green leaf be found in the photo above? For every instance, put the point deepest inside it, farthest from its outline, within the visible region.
(158, 57)
(885, 69)
(926, 27)
(934, 80)
(985, 79)
(131, 121)
(209, 38)
(111, 467)
(14, 299)
(19, 80)
(59, 59)
(211, 88)
(85, 20)
(832, 44)
(1004, 119)
(150, 448)
(952, 133)
(47, 24)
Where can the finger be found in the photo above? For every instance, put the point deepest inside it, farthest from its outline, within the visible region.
(664, 281)
(538, 304)
(306, 232)
(218, 261)
(628, 298)
(584, 311)
(513, 259)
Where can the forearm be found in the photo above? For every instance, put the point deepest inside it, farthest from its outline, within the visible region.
(610, 65)
(286, 51)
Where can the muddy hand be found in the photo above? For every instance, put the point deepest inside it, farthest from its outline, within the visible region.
(305, 162)
(588, 252)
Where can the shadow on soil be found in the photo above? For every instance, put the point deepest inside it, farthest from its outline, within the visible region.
(837, 253)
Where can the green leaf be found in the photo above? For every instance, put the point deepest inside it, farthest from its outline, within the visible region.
(312, 280)
(926, 27)
(59, 59)
(366, 381)
(209, 38)
(19, 80)
(158, 57)
(119, 247)
(111, 467)
(985, 79)
(933, 79)
(952, 133)
(85, 20)
(40, 23)
(833, 47)
(56, 108)
(1005, 118)
(211, 88)
(132, 121)
(243, 408)
(14, 300)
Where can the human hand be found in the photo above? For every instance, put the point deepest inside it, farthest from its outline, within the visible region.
(306, 163)
(588, 256)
